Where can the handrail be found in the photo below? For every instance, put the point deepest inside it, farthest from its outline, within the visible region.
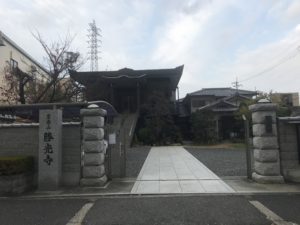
(58, 104)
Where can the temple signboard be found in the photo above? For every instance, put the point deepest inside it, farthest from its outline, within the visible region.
(50, 126)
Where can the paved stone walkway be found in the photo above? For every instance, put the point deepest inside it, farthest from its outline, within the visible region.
(174, 170)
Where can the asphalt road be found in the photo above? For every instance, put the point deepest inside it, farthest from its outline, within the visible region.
(287, 206)
(38, 212)
(150, 210)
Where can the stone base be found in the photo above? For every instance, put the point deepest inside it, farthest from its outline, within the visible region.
(292, 175)
(93, 171)
(93, 182)
(267, 179)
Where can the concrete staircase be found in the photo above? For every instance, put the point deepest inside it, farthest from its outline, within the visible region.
(125, 124)
(128, 124)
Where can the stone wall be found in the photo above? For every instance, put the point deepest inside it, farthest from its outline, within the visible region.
(16, 184)
(22, 139)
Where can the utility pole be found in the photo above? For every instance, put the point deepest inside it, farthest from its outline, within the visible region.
(94, 44)
(236, 85)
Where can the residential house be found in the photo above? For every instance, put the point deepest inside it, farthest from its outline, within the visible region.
(222, 102)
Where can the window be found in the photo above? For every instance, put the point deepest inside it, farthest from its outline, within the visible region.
(13, 64)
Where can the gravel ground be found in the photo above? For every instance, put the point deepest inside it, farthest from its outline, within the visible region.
(135, 158)
(223, 162)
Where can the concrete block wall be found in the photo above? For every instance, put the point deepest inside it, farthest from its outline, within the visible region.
(288, 148)
(22, 139)
(71, 154)
(19, 140)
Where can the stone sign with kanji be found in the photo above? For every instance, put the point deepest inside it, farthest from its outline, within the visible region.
(50, 129)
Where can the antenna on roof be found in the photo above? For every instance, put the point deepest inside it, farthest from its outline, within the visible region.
(94, 33)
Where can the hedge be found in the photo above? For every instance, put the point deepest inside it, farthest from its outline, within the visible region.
(16, 165)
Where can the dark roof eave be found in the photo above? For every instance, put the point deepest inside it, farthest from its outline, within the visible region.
(84, 77)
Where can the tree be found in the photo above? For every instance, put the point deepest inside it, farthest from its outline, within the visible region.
(158, 126)
(59, 87)
(9, 90)
(203, 127)
(56, 86)
(283, 108)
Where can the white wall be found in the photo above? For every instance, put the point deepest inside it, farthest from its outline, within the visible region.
(25, 63)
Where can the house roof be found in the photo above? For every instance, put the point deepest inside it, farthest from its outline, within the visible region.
(221, 92)
(12, 43)
(220, 105)
(223, 104)
(127, 75)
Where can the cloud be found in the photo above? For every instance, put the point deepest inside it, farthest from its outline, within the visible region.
(177, 36)
(216, 40)
(293, 10)
(273, 66)
(285, 11)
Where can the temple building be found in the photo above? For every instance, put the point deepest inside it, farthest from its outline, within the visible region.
(128, 89)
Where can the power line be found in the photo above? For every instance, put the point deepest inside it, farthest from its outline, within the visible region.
(284, 60)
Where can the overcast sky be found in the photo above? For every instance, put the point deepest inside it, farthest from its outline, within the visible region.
(256, 41)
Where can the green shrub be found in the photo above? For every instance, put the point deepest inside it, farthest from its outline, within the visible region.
(157, 126)
(203, 127)
(146, 136)
(15, 165)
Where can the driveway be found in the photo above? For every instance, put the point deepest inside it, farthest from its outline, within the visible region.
(172, 169)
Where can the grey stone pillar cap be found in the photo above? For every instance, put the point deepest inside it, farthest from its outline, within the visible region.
(263, 107)
(93, 112)
(93, 106)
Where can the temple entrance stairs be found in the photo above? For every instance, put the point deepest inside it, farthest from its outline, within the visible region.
(128, 124)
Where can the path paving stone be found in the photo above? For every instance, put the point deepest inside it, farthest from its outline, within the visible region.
(174, 170)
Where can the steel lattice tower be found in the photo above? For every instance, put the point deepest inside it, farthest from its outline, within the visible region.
(94, 33)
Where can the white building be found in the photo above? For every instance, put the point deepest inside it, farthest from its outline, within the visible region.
(13, 56)
(288, 98)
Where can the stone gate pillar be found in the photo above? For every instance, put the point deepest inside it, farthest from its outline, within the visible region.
(93, 147)
(266, 152)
